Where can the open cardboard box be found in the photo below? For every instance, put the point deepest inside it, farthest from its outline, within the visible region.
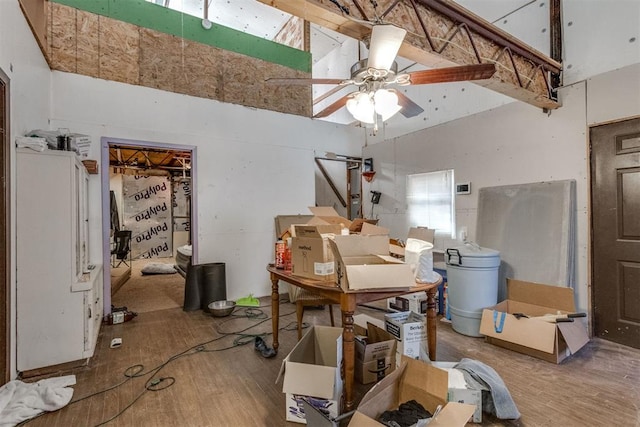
(413, 380)
(327, 215)
(358, 223)
(459, 390)
(410, 330)
(420, 233)
(363, 262)
(552, 342)
(312, 369)
(375, 350)
(283, 223)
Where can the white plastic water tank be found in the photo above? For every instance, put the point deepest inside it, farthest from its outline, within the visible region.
(472, 277)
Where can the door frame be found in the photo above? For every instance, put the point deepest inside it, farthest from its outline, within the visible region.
(5, 299)
(590, 219)
(105, 143)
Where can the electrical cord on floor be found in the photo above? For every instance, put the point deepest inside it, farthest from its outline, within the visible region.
(153, 384)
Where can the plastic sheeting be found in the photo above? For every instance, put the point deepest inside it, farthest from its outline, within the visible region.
(533, 227)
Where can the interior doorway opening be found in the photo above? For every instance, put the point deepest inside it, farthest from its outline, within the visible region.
(148, 203)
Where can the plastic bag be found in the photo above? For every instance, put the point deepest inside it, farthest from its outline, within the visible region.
(419, 255)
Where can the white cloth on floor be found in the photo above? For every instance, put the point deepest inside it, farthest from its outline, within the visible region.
(21, 401)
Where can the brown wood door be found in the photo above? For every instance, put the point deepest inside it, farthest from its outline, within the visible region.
(615, 195)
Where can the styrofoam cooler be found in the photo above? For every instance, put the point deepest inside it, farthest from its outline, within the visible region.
(472, 277)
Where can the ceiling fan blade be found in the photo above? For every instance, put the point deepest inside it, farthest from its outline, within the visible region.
(409, 108)
(333, 107)
(452, 74)
(304, 82)
(385, 42)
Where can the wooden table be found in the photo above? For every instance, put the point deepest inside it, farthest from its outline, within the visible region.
(348, 302)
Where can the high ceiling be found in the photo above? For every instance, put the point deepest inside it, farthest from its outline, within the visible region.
(333, 54)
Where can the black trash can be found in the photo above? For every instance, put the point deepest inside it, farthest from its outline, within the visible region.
(192, 292)
(204, 284)
(214, 284)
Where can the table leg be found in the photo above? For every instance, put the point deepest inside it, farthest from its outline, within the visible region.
(348, 357)
(431, 322)
(275, 311)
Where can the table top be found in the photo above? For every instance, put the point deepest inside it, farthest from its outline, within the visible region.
(330, 286)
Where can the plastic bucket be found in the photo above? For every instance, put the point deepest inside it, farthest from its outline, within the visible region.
(472, 277)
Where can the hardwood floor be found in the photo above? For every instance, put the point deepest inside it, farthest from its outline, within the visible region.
(219, 384)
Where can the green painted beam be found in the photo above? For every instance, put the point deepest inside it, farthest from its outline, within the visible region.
(168, 21)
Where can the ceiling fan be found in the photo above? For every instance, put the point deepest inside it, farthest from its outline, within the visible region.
(375, 77)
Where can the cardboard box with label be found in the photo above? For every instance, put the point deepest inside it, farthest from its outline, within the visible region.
(375, 350)
(363, 262)
(413, 380)
(312, 369)
(552, 342)
(416, 302)
(459, 391)
(311, 256)
(411, 332)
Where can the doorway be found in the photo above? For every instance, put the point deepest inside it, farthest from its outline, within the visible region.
(148, 195)
(5, 293)
(615, 201)
(353, 174)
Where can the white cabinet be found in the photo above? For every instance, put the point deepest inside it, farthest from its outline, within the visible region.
(59, 300)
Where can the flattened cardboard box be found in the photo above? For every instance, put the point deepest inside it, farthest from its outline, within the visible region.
(363, 262)
(311, 256)
(375, 350)
(312, 369)
(413, 380)
(552, 342)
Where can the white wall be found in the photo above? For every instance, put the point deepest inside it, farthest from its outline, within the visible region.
(251, 164)
(513, 144)
(29, 78)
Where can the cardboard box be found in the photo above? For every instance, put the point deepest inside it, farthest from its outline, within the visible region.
(373, 230)
(552, 342)
(458, 390)
(375, 350)
(411, 332)
(357, 223)
(283, 223)
(312, 369)
(420, 233)
(311, 256)
(327, 215)
(416, 302)
(413, 380)
(363, 262)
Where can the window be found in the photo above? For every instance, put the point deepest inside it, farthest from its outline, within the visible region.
(431, 202)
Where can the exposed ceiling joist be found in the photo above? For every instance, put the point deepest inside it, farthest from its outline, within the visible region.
(441, 34)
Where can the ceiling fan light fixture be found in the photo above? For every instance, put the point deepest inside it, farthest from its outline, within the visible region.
(385, 41)
(386, 103)
(361, 107)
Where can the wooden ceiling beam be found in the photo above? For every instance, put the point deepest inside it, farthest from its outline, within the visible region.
(440, 33)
